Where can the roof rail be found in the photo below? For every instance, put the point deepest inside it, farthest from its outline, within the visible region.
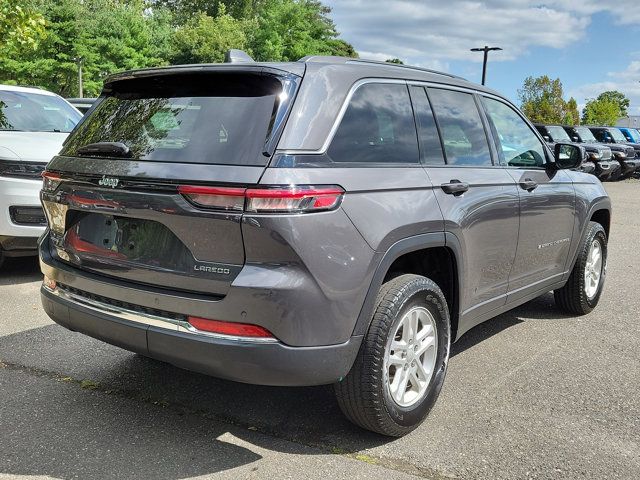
(345, 60)
(399, 65)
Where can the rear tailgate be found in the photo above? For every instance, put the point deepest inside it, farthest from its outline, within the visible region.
(120, 212)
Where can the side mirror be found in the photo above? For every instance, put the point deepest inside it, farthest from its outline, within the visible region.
(546, 138)
(569, 156)
(575, 139)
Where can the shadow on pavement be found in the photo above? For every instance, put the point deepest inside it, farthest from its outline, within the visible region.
(541, 308)
(20, 270)
(155, 395)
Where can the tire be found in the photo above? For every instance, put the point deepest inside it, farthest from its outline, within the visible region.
(2, 257)
(574, 297)
(364, 395)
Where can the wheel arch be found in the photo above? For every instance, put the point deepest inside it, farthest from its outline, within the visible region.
(427, 254)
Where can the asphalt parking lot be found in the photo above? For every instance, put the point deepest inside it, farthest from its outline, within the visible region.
(530, 394)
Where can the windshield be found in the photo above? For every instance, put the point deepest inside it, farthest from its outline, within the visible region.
(558, 134)
(215, 119)
(634, 134)
(585, 134)
(32, 112)
(617, 135)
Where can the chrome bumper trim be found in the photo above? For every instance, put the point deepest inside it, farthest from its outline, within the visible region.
(147, 318)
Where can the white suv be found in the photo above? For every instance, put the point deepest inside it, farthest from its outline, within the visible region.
(33, 125)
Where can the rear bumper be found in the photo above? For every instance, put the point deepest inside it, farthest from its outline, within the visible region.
(243, 361)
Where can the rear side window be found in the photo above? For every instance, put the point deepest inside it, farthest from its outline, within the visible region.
(214, 119)
(377, 127)
(430, 146)
(463, 134)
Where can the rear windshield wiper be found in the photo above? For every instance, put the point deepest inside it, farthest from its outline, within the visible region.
(106, 149)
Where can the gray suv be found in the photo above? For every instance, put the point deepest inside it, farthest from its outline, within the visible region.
(326, 221)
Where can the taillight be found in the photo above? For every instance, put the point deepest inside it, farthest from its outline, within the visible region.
(229, 328)
(221, 198)
(50, 181)
(291, 199)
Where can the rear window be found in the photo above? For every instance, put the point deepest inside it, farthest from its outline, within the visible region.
(214, 119)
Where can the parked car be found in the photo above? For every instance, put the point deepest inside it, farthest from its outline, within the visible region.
(611, 136)
(555, 133)
(582, 135)
(631, 134)
(327, 232)
(82, 104)
(33, 125)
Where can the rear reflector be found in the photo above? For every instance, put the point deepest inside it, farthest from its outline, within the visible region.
(229, 328)
(291, 199)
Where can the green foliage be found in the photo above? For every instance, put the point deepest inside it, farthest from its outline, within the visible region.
(184, 10)
(395, 60)
(43, 40)
(206, 39)
(291, 29)
(109, 36)
(21, 27)
(572, 114)
(618, 98)
(601, 111)
(542, 101)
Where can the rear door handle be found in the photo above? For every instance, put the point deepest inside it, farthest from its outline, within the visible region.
(455, 187)
(528, 185)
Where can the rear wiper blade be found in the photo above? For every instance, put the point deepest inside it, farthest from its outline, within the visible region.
(106, 149)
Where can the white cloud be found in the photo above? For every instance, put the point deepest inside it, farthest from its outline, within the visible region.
(423, 31)
(625, 81)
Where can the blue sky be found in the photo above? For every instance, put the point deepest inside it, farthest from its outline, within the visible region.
(590, 45)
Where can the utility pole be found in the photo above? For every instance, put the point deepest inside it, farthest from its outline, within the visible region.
(79, 61)
(486, 51)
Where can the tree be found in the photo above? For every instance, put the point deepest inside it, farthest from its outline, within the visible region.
(542, 100)
(20, 26)
(291, 29)
(206, 39)
(616, 97)
(572, 114)
(395, 60)
(601, 112)
(110, 35)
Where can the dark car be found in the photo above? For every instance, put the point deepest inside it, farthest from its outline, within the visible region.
(325, 221)
(82, 104)
(581, 134)
(595, 153)
(613, 136)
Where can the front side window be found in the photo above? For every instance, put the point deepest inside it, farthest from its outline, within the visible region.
(377, 127)
(33, 112)
(463, 135)
(519, 146)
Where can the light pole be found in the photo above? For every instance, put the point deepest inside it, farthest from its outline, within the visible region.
(486, 51)
(79, 61)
